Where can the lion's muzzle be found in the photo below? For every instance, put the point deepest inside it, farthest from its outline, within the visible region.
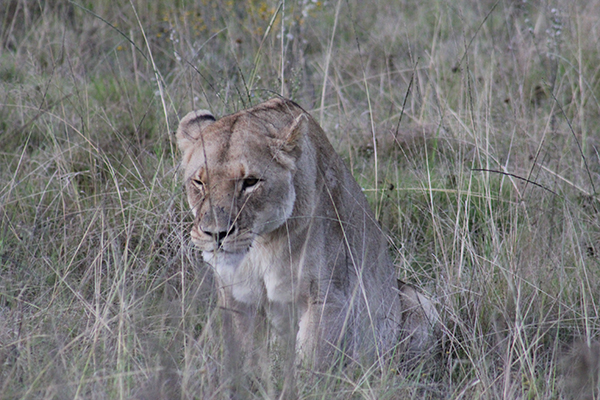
(217, 223)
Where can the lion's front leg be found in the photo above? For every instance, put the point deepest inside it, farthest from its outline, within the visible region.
(284, 320)
(323, 335)
(242, 325)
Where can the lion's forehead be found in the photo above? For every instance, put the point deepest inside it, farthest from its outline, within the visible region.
(231, 149)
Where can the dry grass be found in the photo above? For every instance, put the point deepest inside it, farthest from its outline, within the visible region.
(472, 126)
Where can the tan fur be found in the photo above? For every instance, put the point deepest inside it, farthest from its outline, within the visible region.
(290, 235)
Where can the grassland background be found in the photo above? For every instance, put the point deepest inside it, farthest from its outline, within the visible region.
(473, 127)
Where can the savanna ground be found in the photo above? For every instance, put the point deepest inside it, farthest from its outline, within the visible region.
(473, 127)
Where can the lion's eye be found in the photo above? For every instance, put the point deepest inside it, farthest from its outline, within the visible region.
(198, 183)
(249, 182)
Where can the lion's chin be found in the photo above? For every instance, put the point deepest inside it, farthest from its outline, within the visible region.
(223, 260)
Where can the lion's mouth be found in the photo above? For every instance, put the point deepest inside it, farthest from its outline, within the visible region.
(231, 244)
(224, 252)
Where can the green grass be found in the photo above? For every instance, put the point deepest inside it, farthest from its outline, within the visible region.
(472, 126)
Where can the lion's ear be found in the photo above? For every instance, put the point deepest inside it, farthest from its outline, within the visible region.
(296, 131)
(287, 149)
(190, 128)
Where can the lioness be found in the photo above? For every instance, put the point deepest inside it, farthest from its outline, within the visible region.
(290, 236)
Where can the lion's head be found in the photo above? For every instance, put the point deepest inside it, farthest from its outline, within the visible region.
(238, 174)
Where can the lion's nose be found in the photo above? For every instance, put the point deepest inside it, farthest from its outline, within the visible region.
(219, 237)
(216, 222)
